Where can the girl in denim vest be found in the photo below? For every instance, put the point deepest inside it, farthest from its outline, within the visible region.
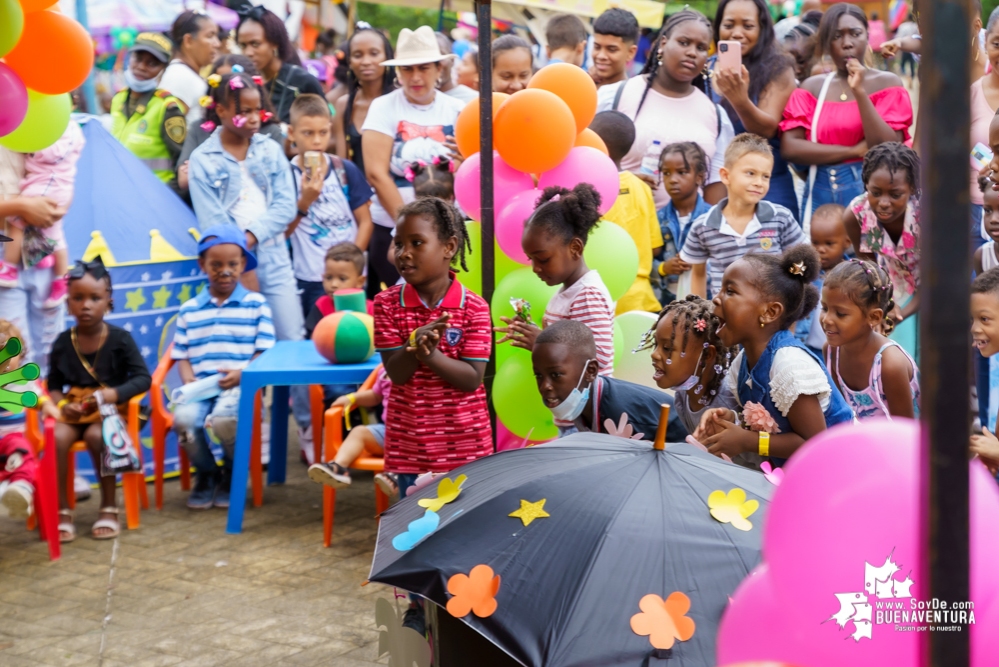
(784, 391)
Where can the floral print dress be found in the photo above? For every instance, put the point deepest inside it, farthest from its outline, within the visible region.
(900, 260)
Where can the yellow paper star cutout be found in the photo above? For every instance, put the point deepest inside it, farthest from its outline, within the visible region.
(529, 511)
(184, 295)
(134, 300)
(161, 297)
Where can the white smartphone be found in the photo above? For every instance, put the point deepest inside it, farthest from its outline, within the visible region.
(729, 54)
(981, 156)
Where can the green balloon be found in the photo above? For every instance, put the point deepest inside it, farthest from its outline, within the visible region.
(612, 252)
(11, 25)
(46, 120)
(521, 284)
(503, 265)
(518, 403)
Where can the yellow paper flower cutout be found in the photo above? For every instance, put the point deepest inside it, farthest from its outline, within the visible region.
(529, 511)
(447, 491)
(732, 508)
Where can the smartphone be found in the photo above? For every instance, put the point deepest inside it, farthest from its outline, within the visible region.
(729, 55)
(981, 156)
(312, 161)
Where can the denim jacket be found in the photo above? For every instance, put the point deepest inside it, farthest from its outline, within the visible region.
(673, 238)
(215, 186)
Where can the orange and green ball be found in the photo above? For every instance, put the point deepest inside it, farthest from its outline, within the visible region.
(345, 337)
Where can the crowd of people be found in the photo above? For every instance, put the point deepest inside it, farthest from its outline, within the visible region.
(774, 205)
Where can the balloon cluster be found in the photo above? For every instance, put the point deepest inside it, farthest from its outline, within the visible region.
(541, 139)
(43, 56)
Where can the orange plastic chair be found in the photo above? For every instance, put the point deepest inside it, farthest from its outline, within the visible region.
(161, 422)
(333, 438)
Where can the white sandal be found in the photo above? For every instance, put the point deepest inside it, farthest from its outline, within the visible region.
(111, 524)
(67, 527)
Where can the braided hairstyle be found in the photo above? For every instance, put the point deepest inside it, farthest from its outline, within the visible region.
(653, 62)
(788, 278)
(693, 156)
(353, 85)
(235, 60)
(693, 311)
(893, 156)
(867, 285)
(223, 93)
(448, 221)
(567, 214)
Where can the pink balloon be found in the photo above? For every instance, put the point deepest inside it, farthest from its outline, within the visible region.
(507, 440)
(849, 500)
(510, 223)
(507, 182)
(586, 165)
(13, 100)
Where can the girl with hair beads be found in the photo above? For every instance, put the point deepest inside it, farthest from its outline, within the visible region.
(554, 239)
(684, 168)
(93, 356)
(433, 180)
(434, 338)
(883, 224)
(856, 297)
(694, 369)
(784, 390)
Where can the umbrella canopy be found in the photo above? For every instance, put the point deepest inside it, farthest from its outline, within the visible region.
(621, 521)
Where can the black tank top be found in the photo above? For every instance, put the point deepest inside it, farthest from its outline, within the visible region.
(354, 146)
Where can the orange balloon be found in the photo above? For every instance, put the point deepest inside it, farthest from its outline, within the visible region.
(54, 55)
(590, 138)
(533, 130)
(466, 128)
(574, 86)
(37, 5)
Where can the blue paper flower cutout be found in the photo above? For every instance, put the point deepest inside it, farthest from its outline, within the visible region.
(417, 531)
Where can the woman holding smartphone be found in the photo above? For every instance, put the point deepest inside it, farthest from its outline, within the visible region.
(754, 92)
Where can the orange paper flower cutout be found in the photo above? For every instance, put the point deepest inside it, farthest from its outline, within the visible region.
(664, 621)
(474, 592)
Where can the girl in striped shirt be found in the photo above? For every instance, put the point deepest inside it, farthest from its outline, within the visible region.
(554, 239)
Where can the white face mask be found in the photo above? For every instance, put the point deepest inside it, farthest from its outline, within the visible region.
(574, 403)
(140, 85)
(690, 382)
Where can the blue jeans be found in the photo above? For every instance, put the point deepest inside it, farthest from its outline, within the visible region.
(24, 307)
(277, 284)
(190, 419)
(309, 293)
(835, 184)
(405, 481)
(978, 237)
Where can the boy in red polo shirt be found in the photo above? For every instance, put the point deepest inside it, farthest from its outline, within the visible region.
(435, 339)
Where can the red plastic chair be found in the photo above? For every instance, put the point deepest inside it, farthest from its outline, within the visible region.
(46, 502)
(333, 438)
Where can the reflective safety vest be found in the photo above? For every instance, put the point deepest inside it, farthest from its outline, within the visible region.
(141, 133)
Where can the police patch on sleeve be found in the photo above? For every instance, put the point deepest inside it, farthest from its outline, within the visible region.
(176, 128)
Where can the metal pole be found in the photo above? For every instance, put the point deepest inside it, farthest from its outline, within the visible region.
(89, 92)
(944, 125)
(484, 15)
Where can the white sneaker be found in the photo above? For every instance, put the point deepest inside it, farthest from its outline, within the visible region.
(81, 488)
(16, 498)
(305, 442)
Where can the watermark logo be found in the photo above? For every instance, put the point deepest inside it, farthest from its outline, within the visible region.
(887, 600)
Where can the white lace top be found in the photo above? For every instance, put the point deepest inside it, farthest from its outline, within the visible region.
(793, 373)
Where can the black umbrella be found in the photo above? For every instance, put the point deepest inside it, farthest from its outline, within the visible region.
(624, 521)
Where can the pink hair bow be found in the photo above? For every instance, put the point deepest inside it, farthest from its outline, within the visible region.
(409, 174)
(239, 120)
(235, 83)
(257, 79)
(208, 126)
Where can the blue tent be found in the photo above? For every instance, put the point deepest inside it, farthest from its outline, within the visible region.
(119, 197)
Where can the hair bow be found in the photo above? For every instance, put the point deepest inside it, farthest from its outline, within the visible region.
(265, 116)
(410, 174)
(555, 198)
(214, 80)
(239, 120)
(95, 268)
(700, 325)
(237, 69)
(206, 102)
(362, 25)
(258, 80)
(235, 83)
(250, 11)
(798, 268)
(208, 126)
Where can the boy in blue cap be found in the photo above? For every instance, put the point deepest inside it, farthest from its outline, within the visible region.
(218, 333)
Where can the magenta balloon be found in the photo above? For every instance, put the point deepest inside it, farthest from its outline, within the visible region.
(586, 165)
(510, 224)
(507, 182)
(849, 500)
(13, 100)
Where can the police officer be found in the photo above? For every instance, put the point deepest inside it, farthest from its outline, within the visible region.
(150, 121)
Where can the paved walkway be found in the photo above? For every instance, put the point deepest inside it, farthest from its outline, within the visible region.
(179, 591)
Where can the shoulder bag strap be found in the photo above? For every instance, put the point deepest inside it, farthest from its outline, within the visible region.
(618, 94)
(806, 217)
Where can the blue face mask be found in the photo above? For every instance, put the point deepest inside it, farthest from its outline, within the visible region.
(691, 382)
(569, 409)
(140, 85)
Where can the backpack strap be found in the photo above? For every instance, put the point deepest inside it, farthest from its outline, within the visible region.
(618, 94)
(341, 174)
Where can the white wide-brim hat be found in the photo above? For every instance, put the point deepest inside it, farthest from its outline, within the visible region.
(417, 47)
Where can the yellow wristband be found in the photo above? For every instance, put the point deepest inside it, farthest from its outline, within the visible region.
(660, 269)
(352, 397)
(764, 443)
(412, 338)
(61, 404)
(42, 400)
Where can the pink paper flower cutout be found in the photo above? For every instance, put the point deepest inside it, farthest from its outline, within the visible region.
(773, 475)
(758, 418)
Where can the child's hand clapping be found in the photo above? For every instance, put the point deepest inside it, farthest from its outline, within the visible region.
(730, 439)
(986, 447)
(710, 420)
(518, 332)
(423, 341)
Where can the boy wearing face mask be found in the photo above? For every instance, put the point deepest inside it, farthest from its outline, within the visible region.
(565, 367)
(146, 119)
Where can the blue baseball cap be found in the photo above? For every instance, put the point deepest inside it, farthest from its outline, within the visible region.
(221, 234)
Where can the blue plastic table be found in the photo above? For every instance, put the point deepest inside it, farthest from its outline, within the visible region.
(287, 363)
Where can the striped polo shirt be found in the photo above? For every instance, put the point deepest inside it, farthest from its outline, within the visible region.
(430, 426)
(588, 301)
(713, 241)
(222, 336)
